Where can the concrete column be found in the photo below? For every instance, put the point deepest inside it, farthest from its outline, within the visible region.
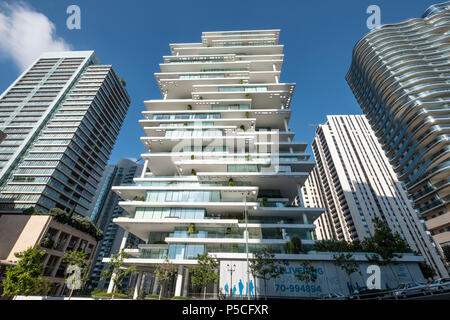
(137, 287)
(305, 219)
(113, 277)
(144, 170)
(186, 282)
(286, 127)
(155, 286)
(215, 289)
(179, 283)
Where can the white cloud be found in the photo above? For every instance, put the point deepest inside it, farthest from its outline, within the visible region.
(25, 34)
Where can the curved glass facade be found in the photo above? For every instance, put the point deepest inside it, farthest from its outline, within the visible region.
(399, 76)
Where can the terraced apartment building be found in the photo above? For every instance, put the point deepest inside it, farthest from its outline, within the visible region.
(222, 169)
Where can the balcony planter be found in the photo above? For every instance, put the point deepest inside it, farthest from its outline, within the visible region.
(189, 107)
(242, 127)
(193, 172)
(231, 182)
(264, 202)
(192, 157)
(191, 229)
(246, 114)
(247, 96)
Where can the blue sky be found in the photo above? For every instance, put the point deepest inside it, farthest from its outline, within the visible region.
(133, 35)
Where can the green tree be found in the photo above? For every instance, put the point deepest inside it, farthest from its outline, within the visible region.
(427, 270)
(205, 272)
(79, 259)
(164, 272)
(346, 262)
(308, 273)
(25, 278)
(385, 245)
(263, 266)
(117, 271)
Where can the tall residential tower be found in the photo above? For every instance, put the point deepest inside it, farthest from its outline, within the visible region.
(222, 159)
(400, 77)
(355, 182)
(62, 117)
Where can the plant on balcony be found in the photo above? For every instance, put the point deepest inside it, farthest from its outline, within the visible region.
(247, 114)
(185, 123)
(189, 107)
(228, 231)
(160, 241)
(205, 272)
(192, 157)
(193, 172)
(241, 81)
(117, 271)
(138, 198)
(201, 98)
(235, 247)
(242, 127)
(247, 95)
(191, 229)
(48, 243)
(264, 202)
(82, 224)
(231, 182)
(249, 157)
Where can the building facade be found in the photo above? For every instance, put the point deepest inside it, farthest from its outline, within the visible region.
(399, 75)
(62, 117)
(104, 210)
(20, 232)
(355, 183)
(222, 160)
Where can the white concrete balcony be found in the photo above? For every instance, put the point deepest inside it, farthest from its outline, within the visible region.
(224, 193)
(269, 118)
(199, 49)
(213, 208)
(265, 96)
(209, 39)
(197, 105)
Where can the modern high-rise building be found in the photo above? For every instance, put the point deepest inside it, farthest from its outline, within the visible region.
(105, 208)
(399, 75)
(354, 181)
(62, 117)
(221, 158)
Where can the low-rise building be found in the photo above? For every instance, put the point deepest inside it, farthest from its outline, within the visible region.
(21, 232)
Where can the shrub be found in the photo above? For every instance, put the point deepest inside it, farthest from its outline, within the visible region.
(151, 296)
(179, 298)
